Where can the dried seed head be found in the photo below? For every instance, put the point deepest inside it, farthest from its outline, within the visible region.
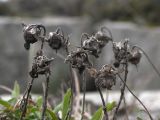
(31, 34)
(135, 56)
(41, 65)
(121, 52)
(106, 77)
(57, 40)
(102, 37)
(92, 45)
(79, 59)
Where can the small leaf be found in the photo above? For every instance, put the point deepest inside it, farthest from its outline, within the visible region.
(111, 105)
(98, 115)
(16, 90)
(52, 114)
(12, 101)
(58, 108)
(138, 118)
(66, 104)
(39, 101)
(6, 104)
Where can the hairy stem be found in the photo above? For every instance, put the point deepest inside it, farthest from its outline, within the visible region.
(46, 87)
(84, 94)
(122, 92)
(136, 97)
(25, 98)
(103, 103)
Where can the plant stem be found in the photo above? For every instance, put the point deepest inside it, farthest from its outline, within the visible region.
(154, 67)
(76, 97)
(84, 94)
(122, 92)
(103, 103)
(125, 106)
(135, 97)
(26, 99)
(46, 87)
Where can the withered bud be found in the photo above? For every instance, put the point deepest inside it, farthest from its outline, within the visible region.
(92, 45)
(31, 33)
(41, 65)
(79, 59)
(121, 52)
(135, 56)
(106, 77)
(56, 40)
(102, 37)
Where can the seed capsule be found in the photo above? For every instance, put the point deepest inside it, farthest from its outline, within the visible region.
(79, 59)
(92, 45)
(102, 37)
(135, 56)
(31, 34)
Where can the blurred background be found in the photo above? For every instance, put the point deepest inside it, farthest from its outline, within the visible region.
(137, 20)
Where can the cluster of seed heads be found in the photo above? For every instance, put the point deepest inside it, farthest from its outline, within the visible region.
(123, 52)
(33, 34)
(90, 45)
(94, 44)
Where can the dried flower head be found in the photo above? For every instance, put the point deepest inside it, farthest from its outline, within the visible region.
(135, 56)
(32, 33)
(105, 77)
(102, 36)
(79, 59)
(91, 44)
(121, 52)
(124, 51)
(57, 40)
(41, 65)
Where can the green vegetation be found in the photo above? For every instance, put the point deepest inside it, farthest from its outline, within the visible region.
(10, 109)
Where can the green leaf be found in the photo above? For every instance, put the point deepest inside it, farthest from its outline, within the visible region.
(6, 104)
(98, 115)
(39, 101)
(111, 105)
(58, 108)
(52, 114)
(138, 118)
(12, 101)
(66, 104)
(16, 90)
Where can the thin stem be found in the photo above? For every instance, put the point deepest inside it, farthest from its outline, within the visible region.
(103, 103)
(71, 98)
(84, 94)
(149, 60)
(6, 88)
(122, 92)
(135, 97)
(25, 100)
(126, 111)
(46, 87)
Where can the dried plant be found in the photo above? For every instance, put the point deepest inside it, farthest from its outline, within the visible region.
(105, 78)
